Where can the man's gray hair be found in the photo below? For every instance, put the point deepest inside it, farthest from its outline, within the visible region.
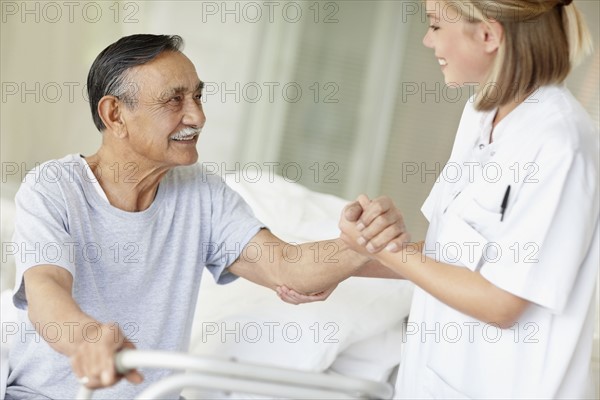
(108, 74)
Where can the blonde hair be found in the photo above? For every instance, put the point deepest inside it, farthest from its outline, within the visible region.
(543, 40)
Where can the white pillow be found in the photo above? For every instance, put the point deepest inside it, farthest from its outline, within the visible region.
(249, 323)
(374, 358)
(291, 211)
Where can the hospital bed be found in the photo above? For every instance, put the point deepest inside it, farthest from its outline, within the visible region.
(354, 336)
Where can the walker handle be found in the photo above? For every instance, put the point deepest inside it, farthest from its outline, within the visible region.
(223, 375)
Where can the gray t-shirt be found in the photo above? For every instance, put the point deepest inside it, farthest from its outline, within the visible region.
(141, 270)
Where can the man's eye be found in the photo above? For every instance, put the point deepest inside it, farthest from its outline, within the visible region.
(198, 97)
(434, 28)
(175, 99)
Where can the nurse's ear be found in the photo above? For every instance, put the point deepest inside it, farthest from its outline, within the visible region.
(490, 34)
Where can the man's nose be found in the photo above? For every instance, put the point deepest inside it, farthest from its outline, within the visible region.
(194, 115)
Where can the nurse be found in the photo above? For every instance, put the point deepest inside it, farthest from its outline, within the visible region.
(504, 305)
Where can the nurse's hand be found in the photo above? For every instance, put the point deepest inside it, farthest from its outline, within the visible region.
(291, 296)
(378, 225)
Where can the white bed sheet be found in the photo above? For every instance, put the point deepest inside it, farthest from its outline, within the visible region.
(375, 358)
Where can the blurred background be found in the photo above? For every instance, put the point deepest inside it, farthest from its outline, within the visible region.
(340, 96)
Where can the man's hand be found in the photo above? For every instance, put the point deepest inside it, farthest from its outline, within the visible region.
(373, 225)
(94, 360)
(92, 345)
(291, 296)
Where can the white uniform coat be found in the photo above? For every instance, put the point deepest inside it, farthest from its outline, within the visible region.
(543, 246)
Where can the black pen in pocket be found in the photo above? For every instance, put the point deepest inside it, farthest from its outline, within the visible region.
(504, 203)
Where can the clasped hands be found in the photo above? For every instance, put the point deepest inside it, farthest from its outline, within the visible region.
(367, 227)
(370, 226)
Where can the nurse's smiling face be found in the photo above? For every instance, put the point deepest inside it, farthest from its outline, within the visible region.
(461, 47)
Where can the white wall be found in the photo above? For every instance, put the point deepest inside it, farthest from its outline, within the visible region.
(44, 64)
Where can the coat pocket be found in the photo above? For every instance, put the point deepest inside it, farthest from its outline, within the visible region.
(438, 388)
(458, 242)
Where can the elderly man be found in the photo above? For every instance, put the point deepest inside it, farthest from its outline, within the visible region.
(121, 237)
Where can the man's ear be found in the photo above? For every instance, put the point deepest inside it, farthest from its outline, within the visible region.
(491, 35)
(110, 111)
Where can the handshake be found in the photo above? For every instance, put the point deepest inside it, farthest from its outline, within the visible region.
(368, 227)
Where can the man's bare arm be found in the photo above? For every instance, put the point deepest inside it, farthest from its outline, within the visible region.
(307, 268)
(90, 344)
(48, 289)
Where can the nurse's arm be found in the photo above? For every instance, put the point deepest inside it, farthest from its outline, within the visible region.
(372, 269)
(458, 287)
